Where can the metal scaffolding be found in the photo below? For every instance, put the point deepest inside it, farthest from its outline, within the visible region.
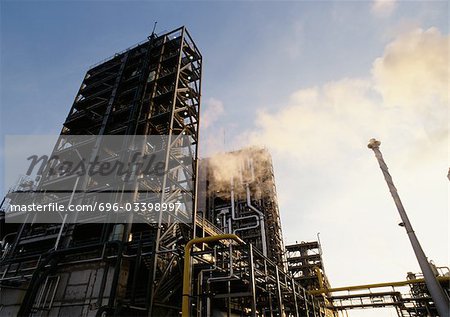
(306, 265)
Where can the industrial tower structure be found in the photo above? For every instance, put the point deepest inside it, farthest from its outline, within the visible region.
(96, 265)
(85, 267)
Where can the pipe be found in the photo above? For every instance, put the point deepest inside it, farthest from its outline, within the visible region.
(19, 234)
(230, 230)
(187, 266)
(252, 280)
(200, 283)
(115, 280)
(295, 297)
(313, 306)
(35, 283)
(261, 221)
(267, 288)
(306, 302)
(230, 275)
(378, 285)
(440, 299)
(233, 213)
(319, 277)
(6, 246)
(247, 228)
(223, 213)
(199, 287)
(60, 232)
(234, 218)
(279, 294)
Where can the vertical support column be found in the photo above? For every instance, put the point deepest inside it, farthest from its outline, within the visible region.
(313, 307)
(306, 303)
(229, 298)
(295, 297)
(252, 280)
(269, 291)
(279, 295)
(136, 269)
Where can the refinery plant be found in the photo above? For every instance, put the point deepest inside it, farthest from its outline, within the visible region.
(214, 245)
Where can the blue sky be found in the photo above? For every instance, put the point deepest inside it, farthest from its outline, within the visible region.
(321, 72)
(270, 48)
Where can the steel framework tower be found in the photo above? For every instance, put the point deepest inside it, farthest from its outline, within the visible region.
(84, 267)
(305, 263)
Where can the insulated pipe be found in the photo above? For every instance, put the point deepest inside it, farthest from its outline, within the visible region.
(224, 220)
(187, 266)
(438, 295)
(233, 212)
(258, 219)
(234, 218)
(319, 277)
(247, 228)
(261, 221)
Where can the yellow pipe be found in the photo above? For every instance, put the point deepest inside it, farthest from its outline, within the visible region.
(319, 277)
(388, 284)
(187, 265)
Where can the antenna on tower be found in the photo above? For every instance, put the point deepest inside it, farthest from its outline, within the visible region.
(153, 35)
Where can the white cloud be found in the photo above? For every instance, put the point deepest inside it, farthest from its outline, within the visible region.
(318, 121)
(407, 96)
(383, 8)
(414, 67)
(413, 73)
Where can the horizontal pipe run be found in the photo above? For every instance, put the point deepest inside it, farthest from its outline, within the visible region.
(378, 285)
